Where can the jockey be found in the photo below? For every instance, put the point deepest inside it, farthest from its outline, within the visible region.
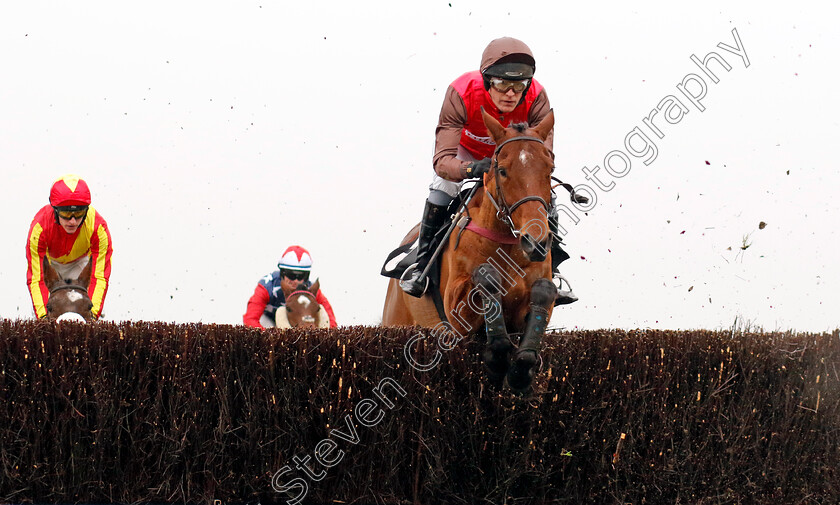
(293, 275)
(505, 87)
(71, 234)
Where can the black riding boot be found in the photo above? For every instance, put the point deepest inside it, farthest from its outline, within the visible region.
(433, 218)
(558, 255)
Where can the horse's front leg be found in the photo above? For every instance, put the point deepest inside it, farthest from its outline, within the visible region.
(523, 369)
(498, 348)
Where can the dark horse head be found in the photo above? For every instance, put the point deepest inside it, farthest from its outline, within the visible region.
(302, 310)
(68, 297)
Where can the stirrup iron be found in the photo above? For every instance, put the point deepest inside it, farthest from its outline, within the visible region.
(417, 287)
(564, 296)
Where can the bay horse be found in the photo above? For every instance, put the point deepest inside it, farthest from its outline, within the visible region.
(496, 270)
(302, 310)
(69, 299)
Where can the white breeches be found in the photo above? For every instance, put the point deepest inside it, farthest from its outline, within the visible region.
(71, 270)
(266, 321)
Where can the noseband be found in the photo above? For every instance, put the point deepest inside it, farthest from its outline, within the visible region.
(503, 210)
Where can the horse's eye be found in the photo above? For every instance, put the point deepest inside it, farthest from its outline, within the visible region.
(90, 306)
(502, 172)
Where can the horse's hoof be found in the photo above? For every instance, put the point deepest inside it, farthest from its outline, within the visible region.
(497, 356)
(496, 364)
(496, 381)
(522, 371)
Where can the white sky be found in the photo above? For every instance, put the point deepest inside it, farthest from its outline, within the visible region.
(215, 134)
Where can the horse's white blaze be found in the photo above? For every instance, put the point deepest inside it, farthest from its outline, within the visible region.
(524, 157)
(304, 300)
(74, 296)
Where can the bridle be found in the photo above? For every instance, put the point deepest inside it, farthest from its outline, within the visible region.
(303, 292)
(74, 287)
(503, 210)
(307, 294)
(69, 286)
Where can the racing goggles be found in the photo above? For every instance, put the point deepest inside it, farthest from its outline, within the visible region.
(294, 275)
(503, 85)
(70, 214)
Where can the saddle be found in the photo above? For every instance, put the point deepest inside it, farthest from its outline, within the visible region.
(405, 255)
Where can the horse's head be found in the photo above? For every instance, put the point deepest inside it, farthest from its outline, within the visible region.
(519, 183)
(302, 310)
(68, 297)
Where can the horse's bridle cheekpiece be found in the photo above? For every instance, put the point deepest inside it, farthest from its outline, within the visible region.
(503, 210)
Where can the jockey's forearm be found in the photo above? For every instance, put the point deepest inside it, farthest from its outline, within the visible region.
(451, 168)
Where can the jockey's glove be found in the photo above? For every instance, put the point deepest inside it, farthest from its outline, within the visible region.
(477, 169)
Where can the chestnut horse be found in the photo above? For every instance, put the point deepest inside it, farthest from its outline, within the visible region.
(496, 271)
(302, 310)
(68, 297)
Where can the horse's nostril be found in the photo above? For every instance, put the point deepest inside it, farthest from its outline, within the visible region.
(529, 244)
(535, 250)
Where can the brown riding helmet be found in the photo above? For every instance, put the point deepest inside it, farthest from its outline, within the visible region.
(507, 58)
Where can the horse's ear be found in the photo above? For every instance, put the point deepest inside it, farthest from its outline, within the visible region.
(315, 287)
(545, 126)
(494, 127)
(84, 277)
(50, 275)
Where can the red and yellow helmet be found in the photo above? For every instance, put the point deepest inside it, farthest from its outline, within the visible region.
(70, 191)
